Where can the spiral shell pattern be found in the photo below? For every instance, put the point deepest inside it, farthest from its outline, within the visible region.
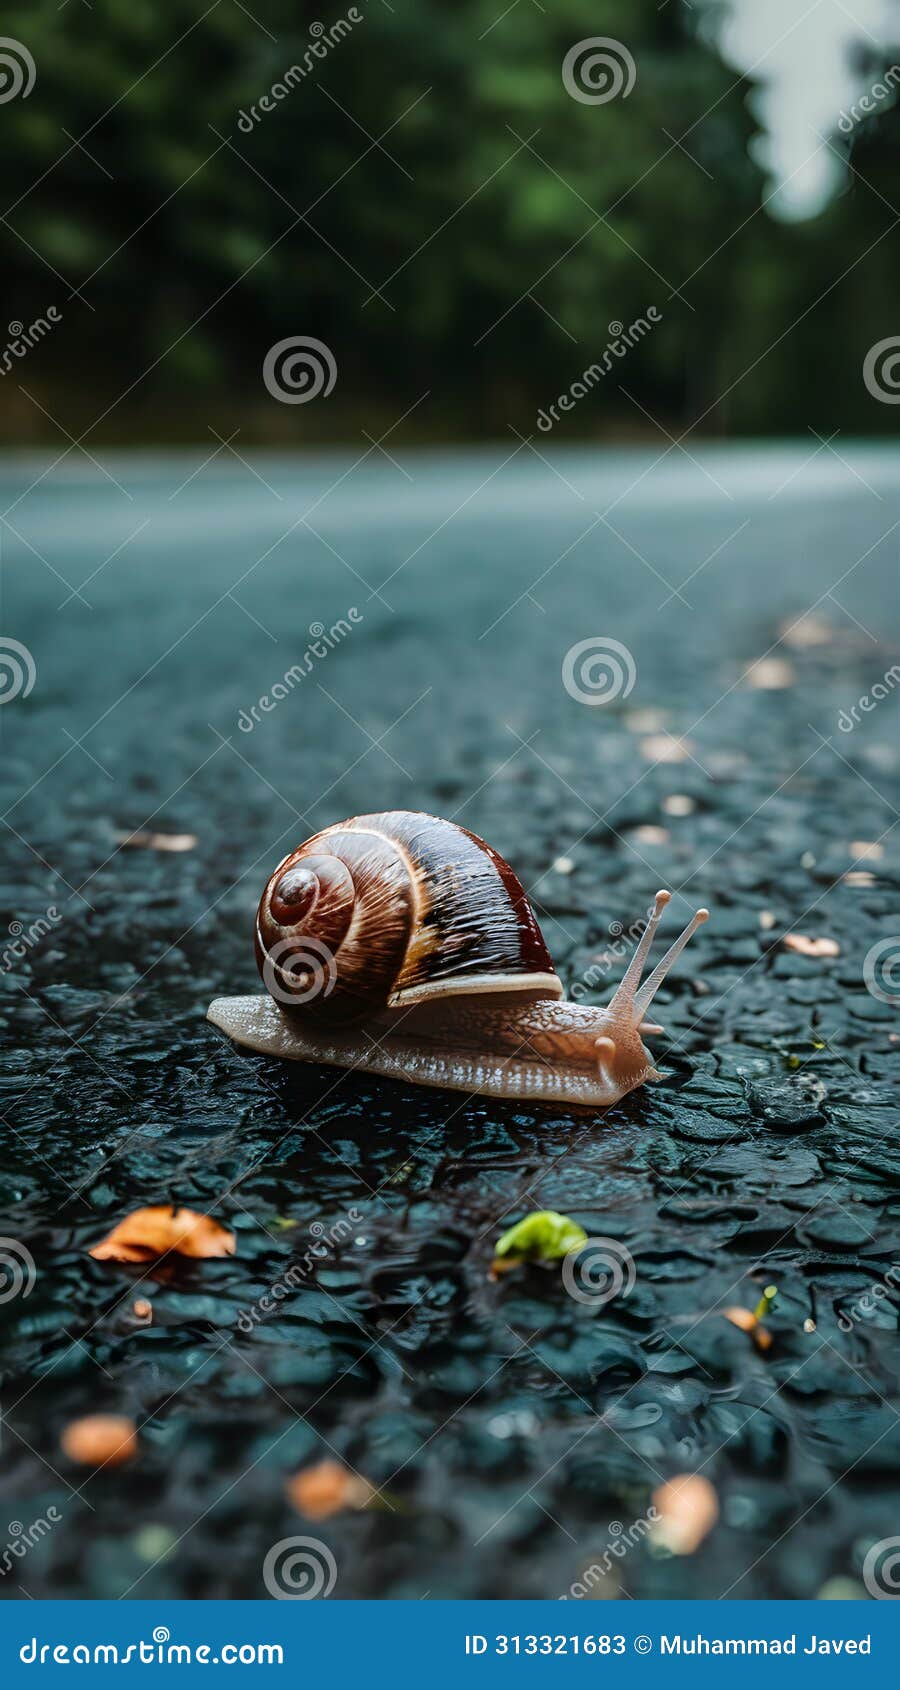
(407, 907)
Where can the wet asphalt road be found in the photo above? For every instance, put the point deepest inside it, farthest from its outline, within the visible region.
(510, 1426)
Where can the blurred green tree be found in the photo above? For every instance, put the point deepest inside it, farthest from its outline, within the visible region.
(428, 199)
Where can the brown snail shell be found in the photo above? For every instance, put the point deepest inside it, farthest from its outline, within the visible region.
(392, 909)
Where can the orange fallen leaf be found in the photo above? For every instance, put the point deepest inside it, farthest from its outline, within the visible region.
(147, 841)
(149, 1233)
(686, 1508)
(749, 1322)
(858, 877)
(327, 1488)
(651, 835)
(806, 946)
(100, 1440)
(744, 1318)
(143, 1311)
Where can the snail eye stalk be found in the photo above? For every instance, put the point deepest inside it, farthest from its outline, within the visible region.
(648, 992)
(632, 1000)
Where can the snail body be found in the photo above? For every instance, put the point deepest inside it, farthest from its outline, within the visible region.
(403, 945)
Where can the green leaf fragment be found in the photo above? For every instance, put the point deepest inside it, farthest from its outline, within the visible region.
(542, 1236)
(765, 1302)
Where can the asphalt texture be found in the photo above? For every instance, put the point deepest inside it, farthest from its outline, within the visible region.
(515, 1433)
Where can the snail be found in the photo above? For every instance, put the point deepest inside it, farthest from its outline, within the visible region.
(404, 945)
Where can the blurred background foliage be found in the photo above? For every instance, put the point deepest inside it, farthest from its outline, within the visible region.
(432, 204)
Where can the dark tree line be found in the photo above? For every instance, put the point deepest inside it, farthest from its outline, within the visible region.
(429, 200)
